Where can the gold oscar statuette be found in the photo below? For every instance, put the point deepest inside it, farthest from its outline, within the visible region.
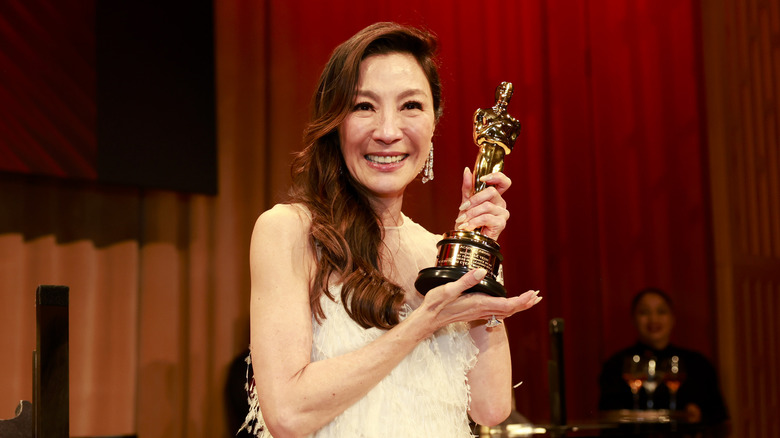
(495, 132)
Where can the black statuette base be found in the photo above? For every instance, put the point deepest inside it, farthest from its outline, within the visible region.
(430, 278)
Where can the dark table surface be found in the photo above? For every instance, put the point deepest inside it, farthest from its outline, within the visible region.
(641, 424)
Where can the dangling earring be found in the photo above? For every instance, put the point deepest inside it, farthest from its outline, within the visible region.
(428, 167)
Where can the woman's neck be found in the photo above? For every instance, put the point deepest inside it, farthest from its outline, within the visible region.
(389, 210)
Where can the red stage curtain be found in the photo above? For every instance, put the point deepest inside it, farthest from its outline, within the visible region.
(609, 192)
(47, 89)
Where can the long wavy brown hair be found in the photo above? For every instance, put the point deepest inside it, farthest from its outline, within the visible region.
(345, 230)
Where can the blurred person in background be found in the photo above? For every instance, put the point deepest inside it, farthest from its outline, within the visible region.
(670, 377)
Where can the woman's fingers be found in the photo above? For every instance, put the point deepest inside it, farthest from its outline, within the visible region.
(466, 281)
(488, 215)
(503, 308)
(489, 195)
(498, 180)
(528, 299)
(451, 305)
(486, 209)
(466, 186)
(440, 296)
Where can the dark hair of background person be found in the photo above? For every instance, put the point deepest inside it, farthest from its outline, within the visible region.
(650, 290)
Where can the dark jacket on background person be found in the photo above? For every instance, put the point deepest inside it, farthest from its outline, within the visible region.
(699, 386)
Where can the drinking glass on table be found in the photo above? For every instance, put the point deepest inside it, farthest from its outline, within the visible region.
(635, 374)
(652, 380)
(673, 376)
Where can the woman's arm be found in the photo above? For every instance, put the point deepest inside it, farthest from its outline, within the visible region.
(297, 396)
(491, 378)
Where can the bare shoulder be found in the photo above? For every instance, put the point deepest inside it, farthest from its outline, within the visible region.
(285, 216)
(284, 223)
(280, 239)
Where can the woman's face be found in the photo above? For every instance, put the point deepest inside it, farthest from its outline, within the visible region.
(386, 137)
(654, 320)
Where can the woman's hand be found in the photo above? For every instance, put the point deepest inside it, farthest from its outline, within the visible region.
(486, 209)
(447, 303)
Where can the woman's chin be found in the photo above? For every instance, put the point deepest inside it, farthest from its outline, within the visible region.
(388, 187)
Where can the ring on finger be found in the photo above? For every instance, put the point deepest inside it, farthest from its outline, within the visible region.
(493, 322)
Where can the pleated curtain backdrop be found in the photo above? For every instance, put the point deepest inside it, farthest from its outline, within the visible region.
(608, 197)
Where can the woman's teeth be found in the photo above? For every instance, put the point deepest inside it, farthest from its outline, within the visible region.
(383, 159)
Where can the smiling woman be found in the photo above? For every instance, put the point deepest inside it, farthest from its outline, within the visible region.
(341, 342)
(387, 137)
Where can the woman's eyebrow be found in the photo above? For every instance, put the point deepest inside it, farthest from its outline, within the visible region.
(404, 94)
